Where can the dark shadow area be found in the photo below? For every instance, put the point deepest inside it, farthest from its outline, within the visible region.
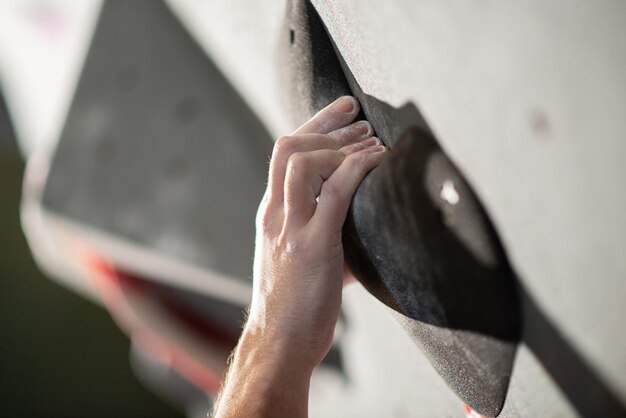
(436, 259)
(437, 262)
(308, 63)
(585, 390)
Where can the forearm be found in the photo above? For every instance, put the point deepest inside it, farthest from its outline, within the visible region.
(298, 263)
(265, 379)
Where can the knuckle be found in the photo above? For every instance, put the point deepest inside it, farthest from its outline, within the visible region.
(264, 219)
(285, 145)
(292, 243)
(299, 161)
(333, 139)
(268, 218)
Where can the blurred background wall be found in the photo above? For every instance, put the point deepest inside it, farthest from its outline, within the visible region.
(60, 355)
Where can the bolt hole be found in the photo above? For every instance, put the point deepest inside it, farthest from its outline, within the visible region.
(292, 36)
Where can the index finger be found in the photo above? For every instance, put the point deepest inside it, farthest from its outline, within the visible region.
(336, 115)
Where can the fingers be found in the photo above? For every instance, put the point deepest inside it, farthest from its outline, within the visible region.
(336, 192)
(284, 148)
(306, 172)
(352, 133)
(334, 116)
(303, 162)
(289, 145)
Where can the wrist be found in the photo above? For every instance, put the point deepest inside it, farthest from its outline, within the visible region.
(262, 382)
(274, 352)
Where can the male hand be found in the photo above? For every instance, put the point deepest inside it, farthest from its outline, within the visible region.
(298, 266)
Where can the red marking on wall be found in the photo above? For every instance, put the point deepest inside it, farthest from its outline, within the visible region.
(109, 283)
(470, 413)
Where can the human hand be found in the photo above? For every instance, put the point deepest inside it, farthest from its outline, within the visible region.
(298, 263)
(298, 267)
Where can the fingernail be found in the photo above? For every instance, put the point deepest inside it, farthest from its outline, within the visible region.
(380, 148)
(370, 141)
(346, 104)
(364, 128)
